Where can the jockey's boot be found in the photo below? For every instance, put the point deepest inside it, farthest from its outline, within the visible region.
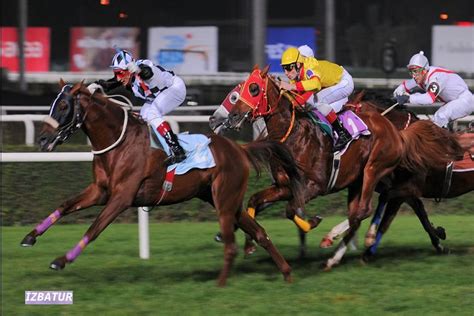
(344, 135)
(177, 152)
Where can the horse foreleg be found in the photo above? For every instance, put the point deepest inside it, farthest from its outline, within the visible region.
(434, 233)
(390, 212)
(114, 207)
(257, 203)
(298, 216)
(226, 222)
(90, 196)
(336, 232)
(251, 227)
(379, 211)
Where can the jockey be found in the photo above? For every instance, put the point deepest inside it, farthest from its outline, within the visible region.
(114, 85)
(331, 85)
(437, 84)
(161, 90)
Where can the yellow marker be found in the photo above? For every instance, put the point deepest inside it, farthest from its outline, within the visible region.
(251, 212)
(301, 223)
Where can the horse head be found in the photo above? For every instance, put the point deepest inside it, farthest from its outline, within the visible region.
(64, 118)
(250, 100)
(218, 120)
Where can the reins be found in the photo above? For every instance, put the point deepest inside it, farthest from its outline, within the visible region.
(293, 116)
(124, 128)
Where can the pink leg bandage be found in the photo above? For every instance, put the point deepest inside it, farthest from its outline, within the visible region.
(76, 251)
(50, 220)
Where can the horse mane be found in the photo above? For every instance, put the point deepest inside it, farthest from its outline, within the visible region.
(429, 146)
(377, 100)
(103, 100)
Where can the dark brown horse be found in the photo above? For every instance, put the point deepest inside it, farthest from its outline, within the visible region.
(129, 173)
(368, 160)
(439, 182)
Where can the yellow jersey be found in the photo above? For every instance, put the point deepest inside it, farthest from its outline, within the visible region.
(317, 74)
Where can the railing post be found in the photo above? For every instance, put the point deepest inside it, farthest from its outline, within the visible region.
(143, 233)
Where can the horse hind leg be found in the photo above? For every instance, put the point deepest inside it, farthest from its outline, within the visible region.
(435, 233)
(226, 222)
(251, 227)
(92, 195)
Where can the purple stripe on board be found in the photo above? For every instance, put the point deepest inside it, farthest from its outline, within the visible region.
(50, 220)
(76, 251)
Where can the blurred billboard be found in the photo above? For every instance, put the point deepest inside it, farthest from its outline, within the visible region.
(280, 38)
(185, 50)
(92, 48)
(453, 47)
(36, 48)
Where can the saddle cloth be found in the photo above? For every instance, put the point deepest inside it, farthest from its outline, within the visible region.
(196, 146)
(353, 123)
(464, 165)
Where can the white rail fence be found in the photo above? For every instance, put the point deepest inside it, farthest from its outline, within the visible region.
(29, 119)
(143, 229)
(174, 120)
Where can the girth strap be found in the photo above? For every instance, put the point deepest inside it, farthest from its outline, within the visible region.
(336, 164)
(448, 175)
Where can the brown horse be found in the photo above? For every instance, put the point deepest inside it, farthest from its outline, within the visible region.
(129, 173)
(368, 159)
(439, 182)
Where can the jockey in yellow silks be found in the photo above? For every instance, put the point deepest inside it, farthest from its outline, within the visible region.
(331, 85)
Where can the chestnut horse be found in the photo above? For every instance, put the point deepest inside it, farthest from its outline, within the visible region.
(368, 159)
(129, 173)
(439, 182)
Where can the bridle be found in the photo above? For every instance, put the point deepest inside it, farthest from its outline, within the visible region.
(259, 103)
(66, 130)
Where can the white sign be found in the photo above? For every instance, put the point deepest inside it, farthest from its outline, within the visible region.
(453, 47)
(185, 50)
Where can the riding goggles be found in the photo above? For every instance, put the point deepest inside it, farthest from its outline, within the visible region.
(289, 67)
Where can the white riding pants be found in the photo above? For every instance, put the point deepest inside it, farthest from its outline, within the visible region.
(334, 97)
(165, 102)
(461, 107)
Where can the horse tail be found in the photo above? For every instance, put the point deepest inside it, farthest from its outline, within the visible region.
(260, 153)
(428, 146)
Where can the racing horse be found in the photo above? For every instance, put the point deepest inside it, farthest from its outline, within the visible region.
(129, 173)
(368, 160)
(444, 181)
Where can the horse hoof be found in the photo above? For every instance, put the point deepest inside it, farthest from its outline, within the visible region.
(218, 237)
(369, 240)
(28, 241)
(327, 268)
(315, 221)
(365, 259)
(326, 243)
(288, 278)
(248, 251)
(441, 233)
(57, 265)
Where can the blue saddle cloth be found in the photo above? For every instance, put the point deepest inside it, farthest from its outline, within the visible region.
(196, 146)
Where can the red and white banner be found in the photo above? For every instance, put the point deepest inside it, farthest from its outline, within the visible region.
(36, 48)
(92, 48)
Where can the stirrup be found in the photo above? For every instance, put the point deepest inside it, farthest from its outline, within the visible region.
(171, 160)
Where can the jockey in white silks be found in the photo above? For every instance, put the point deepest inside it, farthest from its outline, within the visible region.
(437, 84)
(161, 90)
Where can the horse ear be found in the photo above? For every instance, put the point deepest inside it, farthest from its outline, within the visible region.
(265, 70)
(255, 67)
(61, 83)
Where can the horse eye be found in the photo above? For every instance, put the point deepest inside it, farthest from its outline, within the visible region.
(234, 97)
(254, 89)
